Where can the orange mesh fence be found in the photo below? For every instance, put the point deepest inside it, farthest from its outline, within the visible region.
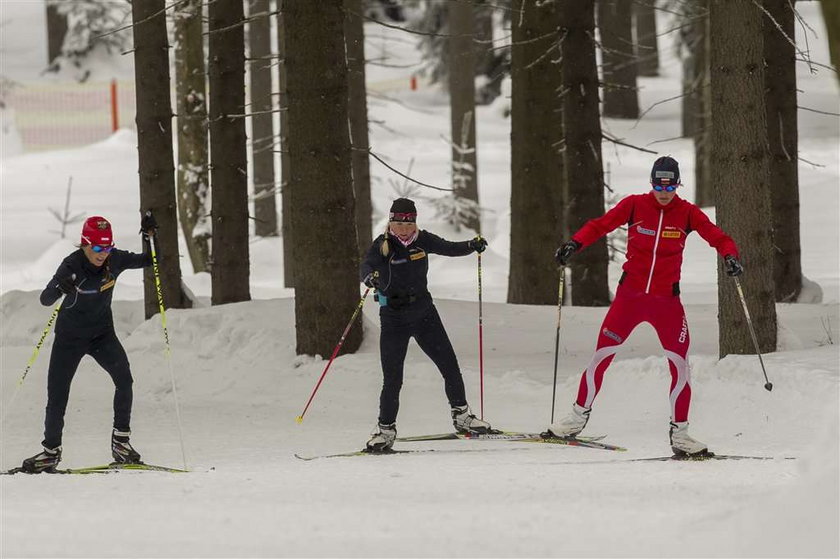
(62, 115)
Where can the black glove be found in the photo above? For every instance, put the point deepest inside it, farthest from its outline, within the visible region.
(148, 224)
(732, 266)
(479, 244)
(566, 251)
(372, 280)
(67, 284)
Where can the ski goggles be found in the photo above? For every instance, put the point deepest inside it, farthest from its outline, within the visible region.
(665, 187)
(100, 248)
(408, 217)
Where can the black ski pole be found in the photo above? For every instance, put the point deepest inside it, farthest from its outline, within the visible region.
(768, 385)
(557, 337)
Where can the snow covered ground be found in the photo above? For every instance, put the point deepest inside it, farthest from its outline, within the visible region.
(240, 385)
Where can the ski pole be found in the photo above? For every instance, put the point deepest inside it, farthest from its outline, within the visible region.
(767, 385)
(168, 349)
(480, 340)
(557, 337)
(32, 359)
(361, 304)
(40, 343)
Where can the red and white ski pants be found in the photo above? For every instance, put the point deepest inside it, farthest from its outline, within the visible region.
(667, 316)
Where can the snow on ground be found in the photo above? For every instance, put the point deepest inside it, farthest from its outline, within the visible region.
(240, 385)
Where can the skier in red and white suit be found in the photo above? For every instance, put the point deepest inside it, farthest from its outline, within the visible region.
(658, 223)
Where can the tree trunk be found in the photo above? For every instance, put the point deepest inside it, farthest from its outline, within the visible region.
(262, 121)
(56, 30)
(647, 50)
(229, 165)
(584, 167)
(285, 193)
(780, 88)
(692, 35)
(154, 148)
(831, 17)
(461, 52)
(486, 61)
(327, 261)
(704, 190)
(357, 106)
(483, 31)
(739, 150)
(536, 192)
(191, 101)
(615, 21)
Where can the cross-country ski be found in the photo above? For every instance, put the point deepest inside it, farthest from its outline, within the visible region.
(104, 469)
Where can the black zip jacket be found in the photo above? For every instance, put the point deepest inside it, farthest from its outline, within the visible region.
(402, 274)
(87, 312)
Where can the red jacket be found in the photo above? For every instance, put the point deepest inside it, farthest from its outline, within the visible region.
(655, 239)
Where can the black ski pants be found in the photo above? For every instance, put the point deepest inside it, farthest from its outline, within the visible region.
(422, 322)
(67, 352)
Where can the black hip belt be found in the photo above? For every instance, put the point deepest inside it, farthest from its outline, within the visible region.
(399, 301)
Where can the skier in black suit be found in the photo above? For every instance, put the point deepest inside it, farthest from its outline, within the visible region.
(396, 265)
(85, 326)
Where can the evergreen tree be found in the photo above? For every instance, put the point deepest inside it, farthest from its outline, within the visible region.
(91, 25)
(191, 102)
(739, 150)
(615, 22)
(320, 180)
(230, 270)
(780, 96)
(154, 150)
(357, 106)
(647, 51)
(262, 119)
(583, 163)
(536, 191)
(461, 54)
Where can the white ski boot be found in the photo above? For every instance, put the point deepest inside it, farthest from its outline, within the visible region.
(383, 439)
(683, 444)
(466, 422)
(572, 424)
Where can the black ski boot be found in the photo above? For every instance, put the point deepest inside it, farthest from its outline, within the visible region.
(44, 461)
(121, 449)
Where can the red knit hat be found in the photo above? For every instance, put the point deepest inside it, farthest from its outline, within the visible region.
(97, 231)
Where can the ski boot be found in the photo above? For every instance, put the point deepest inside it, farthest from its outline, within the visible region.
(572, 424)
(121, 449)
(44, 461)
(683, 445)
(383, 439)
(466, 422)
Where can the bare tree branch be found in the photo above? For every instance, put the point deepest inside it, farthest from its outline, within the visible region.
(406, 176)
